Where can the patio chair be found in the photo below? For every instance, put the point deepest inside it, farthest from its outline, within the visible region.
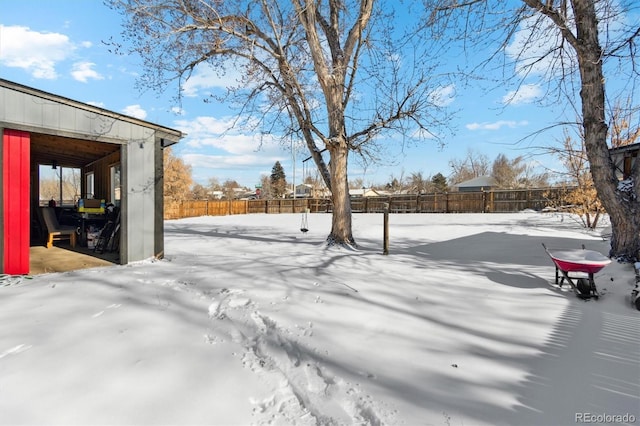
(55, 231)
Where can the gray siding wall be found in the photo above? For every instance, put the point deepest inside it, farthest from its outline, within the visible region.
(32, 113)
(138, 194)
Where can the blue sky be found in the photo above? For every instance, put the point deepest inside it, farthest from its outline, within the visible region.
(56, 46)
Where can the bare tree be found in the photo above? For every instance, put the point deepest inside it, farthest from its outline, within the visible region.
(623, 129)
(70, 191)
(516, 173)
(532, 177)
(472, 166)
(357, 183)
(230, 189)
(583, 199)
(418, 184)
(507, 171)
(569, 44)
(265, 183)
(199, 192)
(50, 189)
(305, 64)
(396, 184)
(214, 184)
(71, 184)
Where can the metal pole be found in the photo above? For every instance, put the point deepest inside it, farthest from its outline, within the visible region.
(293, 182)
(385, 242)
(60, 204)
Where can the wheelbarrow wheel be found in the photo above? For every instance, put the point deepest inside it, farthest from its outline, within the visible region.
(584, 287)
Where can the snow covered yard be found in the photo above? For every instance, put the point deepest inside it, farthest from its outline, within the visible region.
(249, 321)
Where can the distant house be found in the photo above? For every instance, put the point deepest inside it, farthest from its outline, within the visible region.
(624, 158)
(481, 183)
(364, 192)
(242, 194)
(321, 193)
(304, 190)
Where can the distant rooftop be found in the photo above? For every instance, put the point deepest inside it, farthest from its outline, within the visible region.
(483, 181)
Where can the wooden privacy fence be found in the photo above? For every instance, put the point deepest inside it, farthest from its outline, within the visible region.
(496, 201)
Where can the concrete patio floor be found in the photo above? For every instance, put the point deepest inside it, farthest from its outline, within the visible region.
(63, 258)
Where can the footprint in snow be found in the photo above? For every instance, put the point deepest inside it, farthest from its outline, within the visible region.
(217, 308)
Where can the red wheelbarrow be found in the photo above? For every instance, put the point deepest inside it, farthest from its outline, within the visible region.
(584, 261)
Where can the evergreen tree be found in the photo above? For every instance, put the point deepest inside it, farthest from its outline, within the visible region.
(278, 181)
(439, 183)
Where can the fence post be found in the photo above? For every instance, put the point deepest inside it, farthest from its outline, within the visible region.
(434, 202)
(385, 237)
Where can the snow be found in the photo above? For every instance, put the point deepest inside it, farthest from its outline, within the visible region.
(626, 185)
(249, 321)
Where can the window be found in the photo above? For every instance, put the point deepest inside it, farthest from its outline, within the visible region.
(89, 185)
(61, 184)
(115, 184)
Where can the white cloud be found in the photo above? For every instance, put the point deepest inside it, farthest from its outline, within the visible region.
(497, 125)
(36, 53)
(229, 161)
(525, 94)
(443, 96)
(233, 144)
(205, 77)
(203, 126)
(212, 143)
(135, 111)
(82, 71)
(534, 49)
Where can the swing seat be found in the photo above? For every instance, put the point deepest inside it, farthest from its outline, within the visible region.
(304, 225)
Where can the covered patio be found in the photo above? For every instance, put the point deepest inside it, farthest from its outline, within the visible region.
(120, 164)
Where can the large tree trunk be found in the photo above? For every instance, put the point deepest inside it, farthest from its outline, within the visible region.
(341, 232)
(623, 209)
